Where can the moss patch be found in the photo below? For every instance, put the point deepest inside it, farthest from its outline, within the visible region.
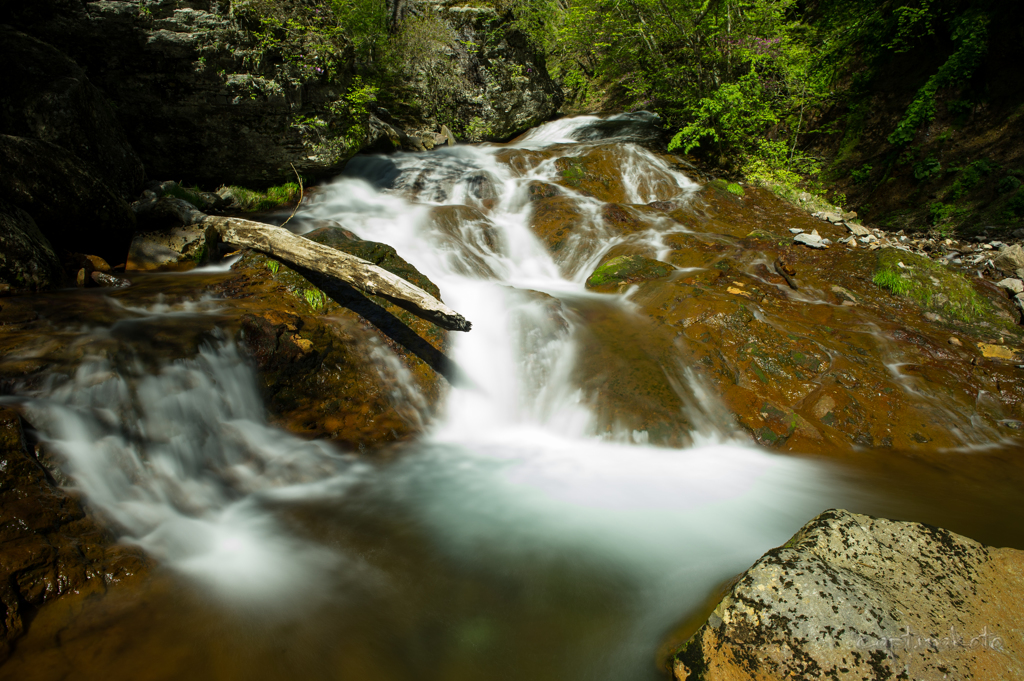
(929, 284)
(627, 269)
(726, 186)
(274, 197)
(190, 195)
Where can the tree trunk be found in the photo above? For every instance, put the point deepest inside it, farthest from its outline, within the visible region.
(359, 273)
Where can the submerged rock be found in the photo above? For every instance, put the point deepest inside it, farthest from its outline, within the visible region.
(855, 597)
(49, 546)
(174, 249)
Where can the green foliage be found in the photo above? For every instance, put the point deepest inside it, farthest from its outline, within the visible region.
(971, 37)
(1015, 206)
(273, 266)
(315, 298)
(969, 178)
(940, 212)
(1008, 184)
(893, 281)
(927, 169)
(274, 197)
(861, 174)
(734, 188)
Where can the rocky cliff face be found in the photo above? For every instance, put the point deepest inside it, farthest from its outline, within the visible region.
(211, 92)
(856, 597)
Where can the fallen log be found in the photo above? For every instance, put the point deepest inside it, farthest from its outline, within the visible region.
(361, 274)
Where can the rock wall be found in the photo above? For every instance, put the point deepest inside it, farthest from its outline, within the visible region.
(856, 597)
(208, 93)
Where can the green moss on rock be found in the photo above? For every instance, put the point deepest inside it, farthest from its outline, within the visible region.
(928, 283)
(627, 269)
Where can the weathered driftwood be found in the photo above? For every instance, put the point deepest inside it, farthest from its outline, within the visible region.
(359, 273)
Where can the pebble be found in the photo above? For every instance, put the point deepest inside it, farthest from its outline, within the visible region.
(953, 340)
(813, 240)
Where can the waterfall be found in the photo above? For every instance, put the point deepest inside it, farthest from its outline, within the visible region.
(518, 480)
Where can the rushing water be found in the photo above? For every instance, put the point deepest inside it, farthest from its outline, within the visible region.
(520, 539)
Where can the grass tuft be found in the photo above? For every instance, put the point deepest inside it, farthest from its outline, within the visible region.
(274, 197)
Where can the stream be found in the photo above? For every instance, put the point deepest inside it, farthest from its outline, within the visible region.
(531, 534)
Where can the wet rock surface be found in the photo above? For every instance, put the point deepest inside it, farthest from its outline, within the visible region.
(49, 545)
(856, 597)
(334, 363)
(808, 348)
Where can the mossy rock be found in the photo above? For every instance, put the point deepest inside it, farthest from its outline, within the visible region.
(627, 269)
(930, 284)
(725, 186)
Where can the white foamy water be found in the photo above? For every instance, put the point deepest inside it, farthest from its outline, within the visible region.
(514, 475)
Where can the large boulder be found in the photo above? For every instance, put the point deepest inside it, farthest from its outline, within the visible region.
(856, 597)
(335, 363)
(74, 209)
(27, 261)
(48, 97)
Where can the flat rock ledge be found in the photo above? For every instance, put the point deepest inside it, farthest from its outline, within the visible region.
(856, 597)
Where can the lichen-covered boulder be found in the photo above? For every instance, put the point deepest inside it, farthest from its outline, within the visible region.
(855, 597)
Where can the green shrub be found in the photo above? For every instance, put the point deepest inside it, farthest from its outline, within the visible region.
(861, 175)
(1008, 184)
(927, 169)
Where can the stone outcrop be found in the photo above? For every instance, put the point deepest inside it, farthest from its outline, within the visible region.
(74, 210)
(49, 98)
(856, 597)
(333, 362)
(49, 547)
(210, 92)
(27, 261)
(483, 79)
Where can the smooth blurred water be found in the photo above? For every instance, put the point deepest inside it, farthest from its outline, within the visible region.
(519, 539)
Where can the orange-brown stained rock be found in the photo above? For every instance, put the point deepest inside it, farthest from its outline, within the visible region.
(855, 597)
(324, 371)
(49, 547)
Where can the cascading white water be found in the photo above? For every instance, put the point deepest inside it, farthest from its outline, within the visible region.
(512, 475)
